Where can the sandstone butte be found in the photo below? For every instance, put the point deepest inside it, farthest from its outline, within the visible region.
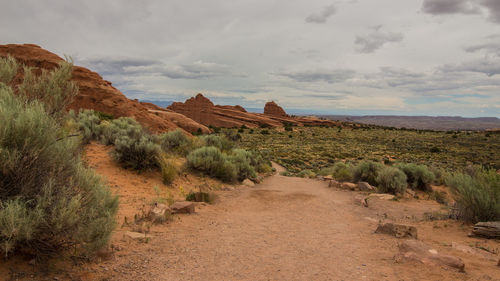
(202, 110)
(99, 94)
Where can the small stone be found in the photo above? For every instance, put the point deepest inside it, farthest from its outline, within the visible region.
(183, 207)
(397, 230)
(248, 182)
(364, 186)
(159, 213)
(136, 236)
(349, 185)
(382, 196)
(361, 200)
(327, 178)
(334, 183)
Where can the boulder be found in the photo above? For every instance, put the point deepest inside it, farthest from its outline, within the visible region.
(414, 250)
(397, 230)
(183, 207)
(349, 185)
(489, 229)
(248, 182)
(364, 186)
(159, 213)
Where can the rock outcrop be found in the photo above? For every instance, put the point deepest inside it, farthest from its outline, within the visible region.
(271, 108)
(99, 94)
(202, 110)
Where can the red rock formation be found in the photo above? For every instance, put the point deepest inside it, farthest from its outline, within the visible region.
(98, 94)
(202, 110)
(271, 108)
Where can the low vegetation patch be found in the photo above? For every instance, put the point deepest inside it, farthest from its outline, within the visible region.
(477, 196)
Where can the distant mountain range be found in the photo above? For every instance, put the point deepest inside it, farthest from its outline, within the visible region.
(423, 122)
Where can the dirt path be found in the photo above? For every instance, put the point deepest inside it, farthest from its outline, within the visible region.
(288, 229)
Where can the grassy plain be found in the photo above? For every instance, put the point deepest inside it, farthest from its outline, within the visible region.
(315, 147)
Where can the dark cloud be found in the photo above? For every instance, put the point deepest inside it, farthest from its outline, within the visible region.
(438, 7)
(488, 66)
(321, 17)
(110, 65)
(328, 76)
(375, 40)
(494, 9)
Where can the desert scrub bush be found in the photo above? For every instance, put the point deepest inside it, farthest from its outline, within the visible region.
(342, 171)
(175, 142)
(8, 69)
(242, 161)
(88, 123)
(138, 154)
(221, 142)
(306, 174)
(211, 161)
(367, 171)
(477, 197)
(418, 176)
(168, 168)
(122, 127)
(391, 180)
(53, 89)
(49, 202)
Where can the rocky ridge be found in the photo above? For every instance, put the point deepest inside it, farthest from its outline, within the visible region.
(99, 94)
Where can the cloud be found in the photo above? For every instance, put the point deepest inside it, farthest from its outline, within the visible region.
(494, 9)
(375, 40)
(114, 65)
(490, 46)
(136, 66)
(319, 75)
(196, 70)
(439, 7)
(488, 66)
(321, 17)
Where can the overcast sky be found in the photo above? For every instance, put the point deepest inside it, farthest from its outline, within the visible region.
(411, 57)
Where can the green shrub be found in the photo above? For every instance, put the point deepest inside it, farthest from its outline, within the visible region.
(211, 161)
(367, 171)
(478, 197)
(88, 123)
(8, 69)
(176, 142)
(53, 89)
(168, 169)
(418, 176)
(391, 180)
(242, 161)
(138, 154)
(221, 142)
(306, 174)
(49, 202)
(121, 127)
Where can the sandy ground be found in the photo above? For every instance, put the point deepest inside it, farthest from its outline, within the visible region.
(283, 229)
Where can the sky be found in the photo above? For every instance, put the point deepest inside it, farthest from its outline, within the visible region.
(391, 57)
